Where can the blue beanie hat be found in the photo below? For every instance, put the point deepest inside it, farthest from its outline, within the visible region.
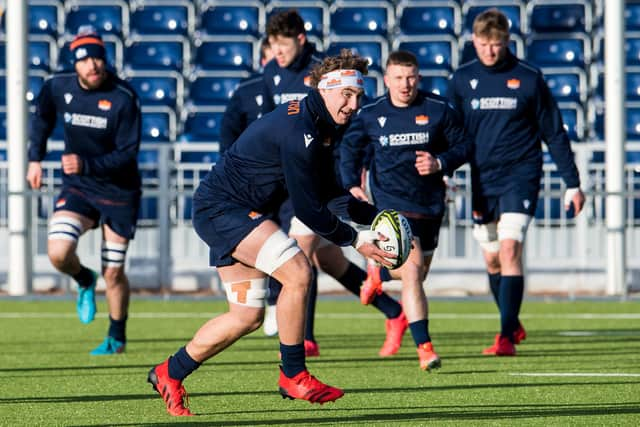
(87, 44)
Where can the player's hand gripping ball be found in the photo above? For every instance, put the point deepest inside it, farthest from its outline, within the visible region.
(396, 228)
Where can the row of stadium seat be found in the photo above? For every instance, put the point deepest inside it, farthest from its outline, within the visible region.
(364, 17)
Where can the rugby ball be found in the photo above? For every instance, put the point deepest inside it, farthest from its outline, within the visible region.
(395, 226)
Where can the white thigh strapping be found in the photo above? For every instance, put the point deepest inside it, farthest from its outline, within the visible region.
(513, 226)
(487, 236)
(113, 254)
(276, 250)
(65, 228)
(250, 293)
(298, 228)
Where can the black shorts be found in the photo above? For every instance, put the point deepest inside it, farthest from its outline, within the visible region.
(518, 199)
(425, 229)
(120, 216)
(222, 226)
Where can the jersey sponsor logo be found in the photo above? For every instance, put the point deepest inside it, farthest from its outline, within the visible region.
(67, 98)
(422, 120)
(60, 203)
(293, 108)
(334, 82)
(409, 138)
(308, 139)
(513, 83)
(495, 103)
(473, 83)
(104, 105)
(307, 81)
(276, 79)
(382, 120)
(286, 97)
(85, 120)
(259, 100)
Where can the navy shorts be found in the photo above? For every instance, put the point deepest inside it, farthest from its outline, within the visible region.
(518, 199)
(425, 229)
(120, 216)
(222, 226)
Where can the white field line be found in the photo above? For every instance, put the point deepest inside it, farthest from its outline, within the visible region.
(572, 374)
(373, 315)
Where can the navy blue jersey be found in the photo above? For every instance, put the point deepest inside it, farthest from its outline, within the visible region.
(288, 152)
(101, 126)
(249, 102)
(292, 82)
(508, 110)
(396, 133)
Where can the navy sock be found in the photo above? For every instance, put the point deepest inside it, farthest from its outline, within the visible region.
(117, 329)
(352, 280)
(84, 277)
(385, 276)
(311, 307)
(181, 365)
(292, 359)
(274, 291)
(420, 331)
(494, 285)
(511, 293)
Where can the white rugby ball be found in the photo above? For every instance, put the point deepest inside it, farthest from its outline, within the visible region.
(395, 226)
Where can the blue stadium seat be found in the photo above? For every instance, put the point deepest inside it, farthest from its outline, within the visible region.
(559, 50)
(433, 52)
(633, 122)
(360, 19)
(596, 120)
(567, 84)
(428, 17)
(202, 125)
(373, 85)
(314, 13)
(3, 154)
(632, 50)
(158, 125)
(148, 163)
(235, 17)
(148, 211)
(556, 17)
(162, 18)
(513, 9)
(632, 16)
(632, 84)
(107, 17)
(573, 119)
(112, 45)
(158, 88)
(156, 53)
(44, 18)
(41, 50)
(435, 81)
(3, 123)
(213, 88)
(227, 54)
(375, 51)
(35, 82)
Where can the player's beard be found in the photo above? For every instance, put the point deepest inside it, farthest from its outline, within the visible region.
(91, 85)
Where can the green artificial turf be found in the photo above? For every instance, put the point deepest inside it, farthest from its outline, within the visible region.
(588, 351)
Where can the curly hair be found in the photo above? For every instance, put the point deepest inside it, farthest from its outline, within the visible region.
(346, 60)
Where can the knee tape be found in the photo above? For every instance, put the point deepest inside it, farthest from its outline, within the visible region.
(113, 254)
(298, 228)
(65, 228)
(513, 226)
(250, 293)
(487, 236)
(276, 250)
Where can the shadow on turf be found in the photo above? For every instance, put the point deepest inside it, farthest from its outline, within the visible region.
(434, 413)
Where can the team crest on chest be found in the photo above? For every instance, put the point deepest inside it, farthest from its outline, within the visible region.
(307, 81)
(422, 120)
(382, 120)
(473, 83)
(104, 105)
(67, 98)
(513, 83)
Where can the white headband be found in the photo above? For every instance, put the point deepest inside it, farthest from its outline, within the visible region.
(341, 78)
